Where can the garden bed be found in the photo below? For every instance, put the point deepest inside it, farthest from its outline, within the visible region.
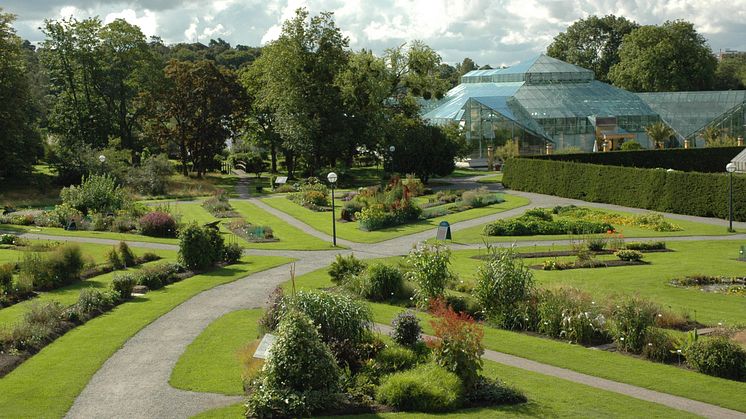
(595, 264)
(715, 284)
(252, 233)
(563, 253)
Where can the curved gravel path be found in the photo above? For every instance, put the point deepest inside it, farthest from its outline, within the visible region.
(133, 383)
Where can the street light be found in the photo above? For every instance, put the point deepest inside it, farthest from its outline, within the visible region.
(332, 178)
(390, 159)
(102, 159)
(730, 168)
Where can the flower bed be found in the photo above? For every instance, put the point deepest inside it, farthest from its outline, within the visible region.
(252, 233)
(219, 206)
(719, 284)
(650, 221)
(542, 222)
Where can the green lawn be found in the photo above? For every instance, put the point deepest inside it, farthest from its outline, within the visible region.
(95, 253)
(613, 366)
(689, 228)
(498, 178)
(470, 173)
(322, 220)
(210, 363)
(45, 386)
(291, 238)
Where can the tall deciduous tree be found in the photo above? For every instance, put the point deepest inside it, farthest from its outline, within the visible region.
(670, 57)
(592, 43)
(198, 109)
(19, 139)
(731, 73)
(420, 148)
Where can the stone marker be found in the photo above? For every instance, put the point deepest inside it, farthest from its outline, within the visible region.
(444, 231)
(262, 351)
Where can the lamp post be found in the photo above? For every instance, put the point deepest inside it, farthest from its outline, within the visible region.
(391, 158)
(102, 159)
(332, 178)
(730, 168)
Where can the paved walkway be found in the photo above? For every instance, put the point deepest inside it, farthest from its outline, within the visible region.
(133, 383)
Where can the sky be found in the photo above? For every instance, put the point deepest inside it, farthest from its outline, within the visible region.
(498, 32)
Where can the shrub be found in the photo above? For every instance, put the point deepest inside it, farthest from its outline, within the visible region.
(407, 329)
(232, 253)
(630, 321)
(149, 257)
(158, 224)
(7, 239)
(630, 145)
(38, 327)
(503, 282)
(338, 318)
(427, 388)
(381, 282)
(59, 267)
(97, 193)
(458, 347)
(596, 244)
(6, 278)
(122, 285)
(479, 198)
(349, 209)
(200, 247)
(275, 308)
(92, 302)
(150, 178)
(530, 226)
(219, 206)
(659, 346)
(428, 268)
(629, 255)
(719, 357)
(393, 359)
(344, 267)
(114, 260)
(490, 392)
(570, 314)
(157, 276)
(640, 246)
(128, 258)
(300, 368)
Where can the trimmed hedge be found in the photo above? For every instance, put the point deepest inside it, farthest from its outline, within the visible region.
(705, 160)
(702, 194)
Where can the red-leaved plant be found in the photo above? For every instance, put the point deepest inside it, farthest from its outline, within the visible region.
(457, 345)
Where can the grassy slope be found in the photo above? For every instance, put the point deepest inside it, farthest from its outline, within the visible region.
(474, 234)
(210, 363)
(322, 220)
(617, 367)
(46, 385)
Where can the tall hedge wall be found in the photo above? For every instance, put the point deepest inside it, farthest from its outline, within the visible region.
(703, 194)
(705, 160)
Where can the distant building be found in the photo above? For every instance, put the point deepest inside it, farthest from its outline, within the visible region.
(544, 101)
(730, 53)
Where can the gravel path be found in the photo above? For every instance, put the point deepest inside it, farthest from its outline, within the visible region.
(133, 383)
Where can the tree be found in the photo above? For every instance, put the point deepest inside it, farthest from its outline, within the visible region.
(198, 109)
(670, 57)
(19, 137)
(422, 149)
(660, 134)
(731, 73)
(592, 43)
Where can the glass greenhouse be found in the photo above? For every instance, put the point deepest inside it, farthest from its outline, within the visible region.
(547, 101)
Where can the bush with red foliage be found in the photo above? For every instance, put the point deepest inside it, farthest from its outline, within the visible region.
(458, 343)
(158, 224)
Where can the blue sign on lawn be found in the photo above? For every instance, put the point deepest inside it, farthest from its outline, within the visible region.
(444, 231)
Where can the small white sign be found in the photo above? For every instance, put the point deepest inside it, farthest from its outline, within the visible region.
(262, 351)
(281, 180)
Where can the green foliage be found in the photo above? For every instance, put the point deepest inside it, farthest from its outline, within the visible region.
(668, 58)
(660, 134)
(719, 357)
(492, 392)
(631, 145)
(157, 276)
(312, 194)
(299, 366)
(503, 283)
(629, 255)
(642, 246)
(200, 247)
(6, 278)
(659, 346)
(113, 258)
(158, 224)
(97, 193)
(631, 319)
(343, 268)
(701, 194)
(128, 258)
(569, 314)
(232, 253)
(592, 43)
(392, 207)
(92, 302)
(219, 206)
(392, 359)
(411, 136)
(55, 269)
(151, 176)
(458, 347)
(705, 160)
(540, 222)
(407, 329)
(338, 318)
(122, 285)
(427, 388)
(428, 268)
(39, 326)
(379, 283)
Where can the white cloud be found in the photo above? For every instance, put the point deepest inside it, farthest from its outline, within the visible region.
(148, 21)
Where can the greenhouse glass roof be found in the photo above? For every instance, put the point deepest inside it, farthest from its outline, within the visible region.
(538, 70)
(689, 112)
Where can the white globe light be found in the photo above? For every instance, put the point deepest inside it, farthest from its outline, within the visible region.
(102, 158)
(730, 168)
(331, 177)
(392, 149)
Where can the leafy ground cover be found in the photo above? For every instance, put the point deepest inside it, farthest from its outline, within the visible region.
(211, 363)
(688, 228)
(322, 220)
(660, 377)
(68, 364)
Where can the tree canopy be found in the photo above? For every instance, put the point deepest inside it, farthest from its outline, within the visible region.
(592, 43)
(669, 57)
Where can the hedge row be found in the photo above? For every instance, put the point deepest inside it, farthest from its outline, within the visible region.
(705, 160)
(703, 194)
